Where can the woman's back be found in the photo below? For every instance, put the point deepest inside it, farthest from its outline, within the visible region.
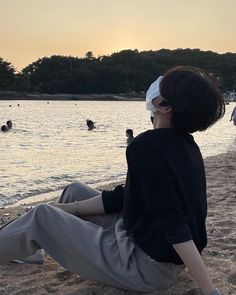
(165, 195)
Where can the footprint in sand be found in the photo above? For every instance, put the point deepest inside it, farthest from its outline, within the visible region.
(232, 279)
(233, 258)
(226, 231)
(228, 223)
(63, 275)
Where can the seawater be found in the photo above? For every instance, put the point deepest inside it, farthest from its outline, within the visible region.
(49, 145)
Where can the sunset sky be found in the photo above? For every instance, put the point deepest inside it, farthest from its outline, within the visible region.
(31, 29)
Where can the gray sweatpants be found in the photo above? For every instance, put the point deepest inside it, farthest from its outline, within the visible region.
(95, 247)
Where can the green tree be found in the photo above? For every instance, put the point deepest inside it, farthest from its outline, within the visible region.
(89, 55)
(7, 76)
(124, 71)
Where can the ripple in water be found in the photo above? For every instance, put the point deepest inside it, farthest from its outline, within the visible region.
(50, 146)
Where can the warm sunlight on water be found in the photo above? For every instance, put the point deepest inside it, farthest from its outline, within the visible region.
(50, 146)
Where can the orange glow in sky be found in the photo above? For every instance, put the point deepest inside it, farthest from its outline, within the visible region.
(32, 29)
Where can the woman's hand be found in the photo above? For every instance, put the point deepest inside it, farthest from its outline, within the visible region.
(71, 208)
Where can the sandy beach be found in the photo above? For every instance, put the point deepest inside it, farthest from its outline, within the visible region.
(220, 254)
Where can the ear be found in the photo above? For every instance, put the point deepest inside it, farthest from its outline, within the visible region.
(164, 110)
(168, 109)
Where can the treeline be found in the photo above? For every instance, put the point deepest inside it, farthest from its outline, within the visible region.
(121, 72)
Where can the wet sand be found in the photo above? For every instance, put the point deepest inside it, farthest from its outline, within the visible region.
(220, 254)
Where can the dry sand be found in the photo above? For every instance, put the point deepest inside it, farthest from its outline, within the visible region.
(220, 255)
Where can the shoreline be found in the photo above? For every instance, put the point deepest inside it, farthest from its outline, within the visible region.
(48, 196)
(12, 95)
(219, 255)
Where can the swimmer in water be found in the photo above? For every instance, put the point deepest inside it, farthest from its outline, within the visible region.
(90, 124)
(4, 128)
(9, 124)
(129, 135)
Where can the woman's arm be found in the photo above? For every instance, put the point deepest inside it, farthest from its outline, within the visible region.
(104, 203)
(193, 260)
(90, 206)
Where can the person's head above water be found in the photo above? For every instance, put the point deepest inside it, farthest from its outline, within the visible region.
(129, 132)
(189, 98)
(90, 124)
(4, 128)
(9, 124)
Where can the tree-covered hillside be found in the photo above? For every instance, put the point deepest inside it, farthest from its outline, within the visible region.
(120, 72)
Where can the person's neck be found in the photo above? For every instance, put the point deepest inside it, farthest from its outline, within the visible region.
(162, 123)
(162, 126)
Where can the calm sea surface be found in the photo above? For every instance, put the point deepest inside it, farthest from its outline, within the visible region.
(50, 146)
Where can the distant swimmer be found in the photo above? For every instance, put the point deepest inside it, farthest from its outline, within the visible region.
(233, 116)
(129, 135)
(7, 127)
(90, 124)
(4, 128)
(9, 124)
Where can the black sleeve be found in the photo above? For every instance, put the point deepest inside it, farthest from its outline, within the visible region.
(113, 200)
(156, 181)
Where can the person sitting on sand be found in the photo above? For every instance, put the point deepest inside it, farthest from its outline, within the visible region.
(90, 124)
(129, 135)
(233, 116)
(137, 237)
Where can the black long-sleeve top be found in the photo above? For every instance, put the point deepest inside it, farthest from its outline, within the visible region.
(164, 198)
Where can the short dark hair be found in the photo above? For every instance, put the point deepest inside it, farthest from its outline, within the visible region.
(4, 128)
(196, 103)
(129, 131)
(9, 123)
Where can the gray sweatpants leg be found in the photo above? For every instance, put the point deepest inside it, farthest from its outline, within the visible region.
(78, 191)
(100, 252)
